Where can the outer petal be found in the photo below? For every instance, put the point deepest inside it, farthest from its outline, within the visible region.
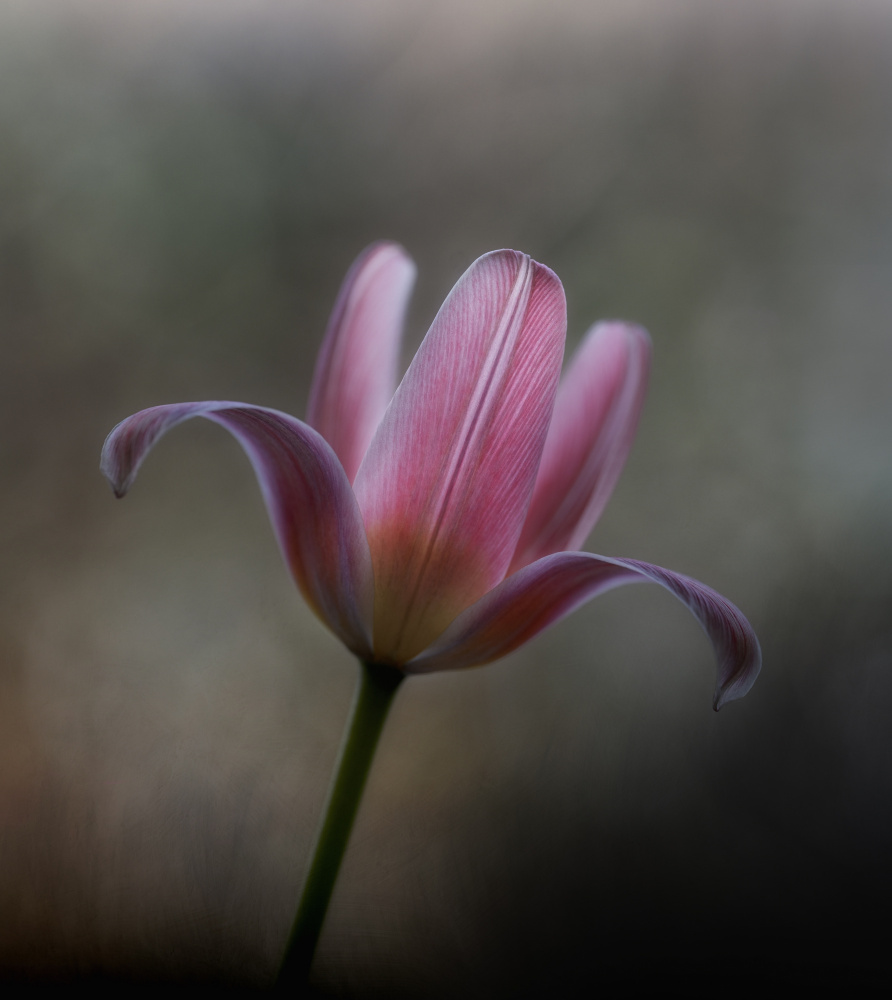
(446, 482)
(356, 369)
(311, 505)
(596, 414)
(545, 591)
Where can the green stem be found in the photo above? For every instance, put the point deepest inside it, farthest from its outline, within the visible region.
(377, 686)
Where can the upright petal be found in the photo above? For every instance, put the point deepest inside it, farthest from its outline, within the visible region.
(547, 590)
(356, 370)
(311, 505)
(446, 482)
(595, 417)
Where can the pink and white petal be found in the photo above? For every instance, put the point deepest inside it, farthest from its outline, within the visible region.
(356, 371)
(445, 485)
(310, 502)
(547, 590)
(595, 418)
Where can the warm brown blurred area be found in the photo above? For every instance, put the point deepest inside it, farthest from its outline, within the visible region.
(182, 187)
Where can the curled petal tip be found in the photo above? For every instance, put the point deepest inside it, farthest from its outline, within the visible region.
(312, 508)
(547, 590)
(117, 472)
(118, 481)
(739, 684)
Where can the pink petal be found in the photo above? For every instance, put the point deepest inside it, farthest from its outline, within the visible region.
(595, 417)
(546, 591)
(356, 369)
(311, 505)
(446, 482)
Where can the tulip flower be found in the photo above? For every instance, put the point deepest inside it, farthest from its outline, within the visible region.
(439, 526)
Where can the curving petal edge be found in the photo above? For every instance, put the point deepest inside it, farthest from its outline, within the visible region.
(446, 482)
(599, 401)
(355, 375)
(310, 503)
(547, 590)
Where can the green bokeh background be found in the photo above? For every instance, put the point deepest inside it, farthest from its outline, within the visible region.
(182, 188)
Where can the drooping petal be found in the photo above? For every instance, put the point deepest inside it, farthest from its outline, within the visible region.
(446, 482)
(356, 370)
(311, 505)
(547, 590)
(595, 417)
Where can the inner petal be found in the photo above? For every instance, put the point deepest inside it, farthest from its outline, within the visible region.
(446, 482)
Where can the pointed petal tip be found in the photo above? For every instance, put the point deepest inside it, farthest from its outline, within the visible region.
(119, 486)
(547, 590)
(118, 478)
(309, 500)
(738, 686)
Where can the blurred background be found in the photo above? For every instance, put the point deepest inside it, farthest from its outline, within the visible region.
(182, 188)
